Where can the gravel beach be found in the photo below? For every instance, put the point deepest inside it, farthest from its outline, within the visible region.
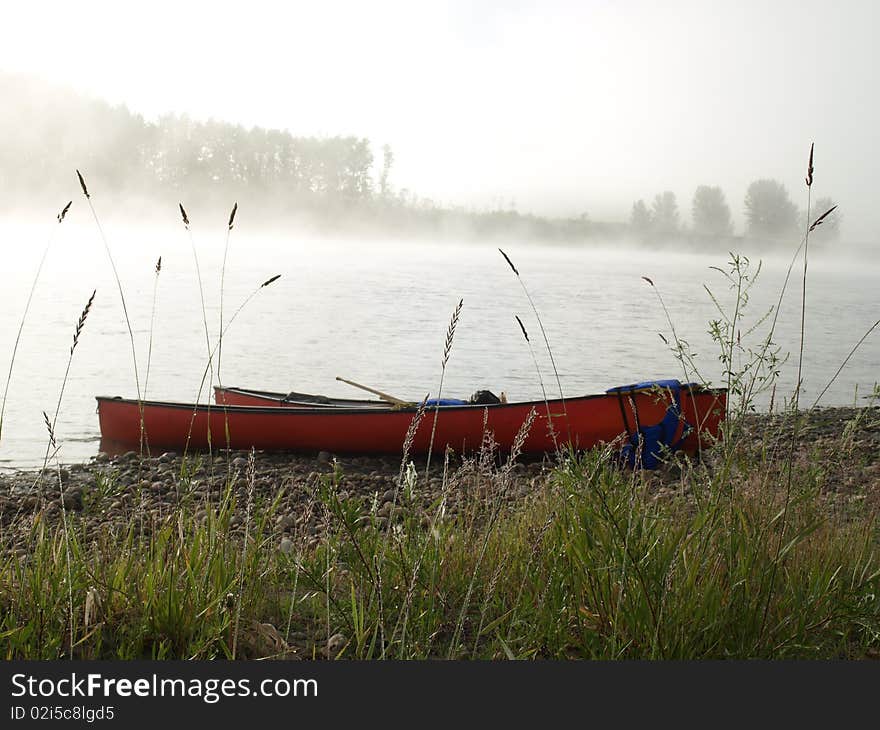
(107, 492)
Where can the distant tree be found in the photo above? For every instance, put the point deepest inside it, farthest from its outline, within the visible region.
(640, 218)
(355, 163)
(387, 162)
(710, 212)
(664, 214)
(829, 229)
(769, 211)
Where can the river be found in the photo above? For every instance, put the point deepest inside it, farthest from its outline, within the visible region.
(377, 312)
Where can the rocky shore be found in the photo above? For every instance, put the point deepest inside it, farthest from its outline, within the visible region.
(107, 492)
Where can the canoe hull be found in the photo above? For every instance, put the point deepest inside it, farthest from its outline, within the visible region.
(581, 422)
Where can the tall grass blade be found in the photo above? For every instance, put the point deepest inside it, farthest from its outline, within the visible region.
(223, 288)
(60, 218)
(100, 228)
(541, 325)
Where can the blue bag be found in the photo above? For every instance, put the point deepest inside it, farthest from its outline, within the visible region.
(645, 444)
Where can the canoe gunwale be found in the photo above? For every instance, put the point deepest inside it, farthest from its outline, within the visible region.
(295, 398)
(373, 412)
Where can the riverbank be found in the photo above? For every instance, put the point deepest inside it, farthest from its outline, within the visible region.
(289, 556)
(106, 492)
(844, 443)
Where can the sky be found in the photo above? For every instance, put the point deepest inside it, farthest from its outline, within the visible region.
(558, 108)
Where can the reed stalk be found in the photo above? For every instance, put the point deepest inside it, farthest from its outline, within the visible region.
(53, 447)
(192, 245)
(157, 270)
(195, 254)
(798, 385)
(447, 349)
(844, 363)
(683, 354)
(551, 429)
(80, 324)
(795, 431)
(59, 219)
(251, 483)
(67, 562)
(100, 228)
(222, 288)
(212, 351)
(540, 324)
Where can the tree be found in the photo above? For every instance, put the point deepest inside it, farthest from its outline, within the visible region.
(387, 162)
(640, 218)
(710, 212)
(664, 214)
(769, 211)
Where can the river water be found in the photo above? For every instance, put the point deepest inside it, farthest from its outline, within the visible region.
(377, 312)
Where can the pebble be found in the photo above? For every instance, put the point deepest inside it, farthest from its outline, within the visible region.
(285, 522)
(335, 644)
(73, 500)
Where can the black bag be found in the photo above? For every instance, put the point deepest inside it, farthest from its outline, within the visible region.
(484, 398)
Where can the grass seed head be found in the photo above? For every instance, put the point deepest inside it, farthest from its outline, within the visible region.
(49, 429)
(64, 211)
(82, 321)
(809, 178)
(509, 262)
(82, 184)
(522, 327)
(821, 218)
(450, 331)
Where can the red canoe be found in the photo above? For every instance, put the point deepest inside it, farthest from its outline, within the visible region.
(583, 422)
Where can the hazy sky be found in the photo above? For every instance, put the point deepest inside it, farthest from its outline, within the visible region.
(562, 107)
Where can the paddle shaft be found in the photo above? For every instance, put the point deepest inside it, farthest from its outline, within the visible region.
(384, 396)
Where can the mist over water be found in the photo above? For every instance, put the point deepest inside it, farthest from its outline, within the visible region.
(377, 313)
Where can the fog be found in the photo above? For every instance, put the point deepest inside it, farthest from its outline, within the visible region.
(568, 110)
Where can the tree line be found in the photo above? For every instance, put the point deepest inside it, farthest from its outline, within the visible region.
(45, 136)
(47, 132)
(769, 214)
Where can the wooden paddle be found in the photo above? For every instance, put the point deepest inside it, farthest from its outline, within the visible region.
(384, 396)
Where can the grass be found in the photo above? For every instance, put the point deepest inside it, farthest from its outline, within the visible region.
(596, 562)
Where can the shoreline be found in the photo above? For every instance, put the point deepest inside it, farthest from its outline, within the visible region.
(108, 491)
